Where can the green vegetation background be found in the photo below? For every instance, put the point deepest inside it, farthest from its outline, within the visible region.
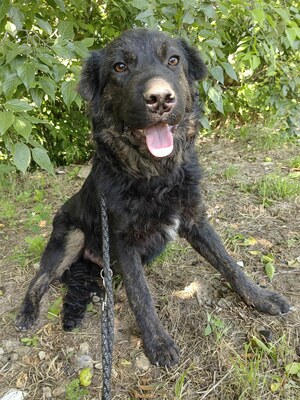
(251, 49)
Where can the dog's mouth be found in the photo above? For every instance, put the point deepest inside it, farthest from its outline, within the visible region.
(159, 139)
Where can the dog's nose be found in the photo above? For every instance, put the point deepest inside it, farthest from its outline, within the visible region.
(159, 96)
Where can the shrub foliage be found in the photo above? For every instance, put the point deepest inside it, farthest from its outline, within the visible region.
(251, 49)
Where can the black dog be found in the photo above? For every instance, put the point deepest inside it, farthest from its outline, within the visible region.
(144, 109)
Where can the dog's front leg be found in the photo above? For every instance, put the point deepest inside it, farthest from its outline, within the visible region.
(206, 242)
(159, 346)
(63, 248)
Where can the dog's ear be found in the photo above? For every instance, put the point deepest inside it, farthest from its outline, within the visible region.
(90, 82)
(196, 68)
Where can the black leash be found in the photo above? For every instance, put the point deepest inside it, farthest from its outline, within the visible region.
(107, 307)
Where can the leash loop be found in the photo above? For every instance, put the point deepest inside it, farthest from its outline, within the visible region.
(107, 307)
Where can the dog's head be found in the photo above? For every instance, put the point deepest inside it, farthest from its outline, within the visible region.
(143, 82)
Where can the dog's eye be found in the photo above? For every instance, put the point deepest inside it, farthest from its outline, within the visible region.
(174, 60)
(120, 67)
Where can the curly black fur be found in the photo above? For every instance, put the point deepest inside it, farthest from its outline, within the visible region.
(81, 282)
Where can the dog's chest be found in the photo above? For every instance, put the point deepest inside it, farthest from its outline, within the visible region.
(145, 215)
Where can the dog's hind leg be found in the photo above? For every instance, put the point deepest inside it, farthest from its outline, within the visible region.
(206, 242)
(64, 247)
(81, 285)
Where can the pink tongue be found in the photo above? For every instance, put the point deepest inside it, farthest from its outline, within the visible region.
(159, 140)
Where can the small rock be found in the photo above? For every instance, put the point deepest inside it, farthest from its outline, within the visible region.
(10, 345)
(96, 299)
(47, 393)
(42, 355)
(14, 357)
(240, 263)
(98, 365)
(23, 351)
(84, 171)
(142, 362)
(84, 348)
(85, 361)
(13, 394)
(58, 391)
(1, 351)
(36, 266)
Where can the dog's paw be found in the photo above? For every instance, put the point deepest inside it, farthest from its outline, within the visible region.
(25, 321)
(269, 302)
(161, 350)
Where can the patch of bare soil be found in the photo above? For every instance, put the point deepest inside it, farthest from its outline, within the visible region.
(210, 324)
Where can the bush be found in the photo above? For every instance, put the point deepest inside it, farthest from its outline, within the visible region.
(250, 47)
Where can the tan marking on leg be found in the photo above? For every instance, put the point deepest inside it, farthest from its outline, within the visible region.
(88, 255)
(74, 246)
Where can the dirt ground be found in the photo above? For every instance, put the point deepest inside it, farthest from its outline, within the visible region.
(210, 324)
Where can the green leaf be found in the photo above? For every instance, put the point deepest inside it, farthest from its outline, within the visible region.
(141, 4)
(61, 5)
(54, 309)
(4, 6)
(292, 34)
(188, 17)
(17, 17)
(15, 51)
(218, 74)
(267, 258)
(85, 377)
(49, 86)
(205, 122)
(209, 11)
(11, 28)
(270, 270)
(23, 127)
(254, 62)
(216, 98)
(81, 49)
(41, 157)
(6, 120)
(258, 15)
(10, 85)
(68, 92)
(18, 105)
(208, 330)
(5, 168)
(292, 368)
(44, 25)
(275, 386)
(37, 96)
(47, 59)
(65, 30)
(21, 157)
(88, 42)
(26, 73)
(229, 70)
(142, 16)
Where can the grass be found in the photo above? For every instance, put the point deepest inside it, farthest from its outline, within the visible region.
(295, 163)
(257, 372)
(275, 187)
(230, 171)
